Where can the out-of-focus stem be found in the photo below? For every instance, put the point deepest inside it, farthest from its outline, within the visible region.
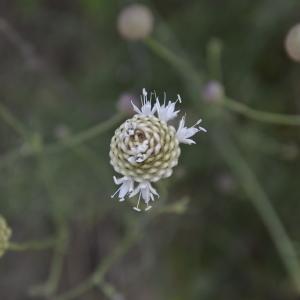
(84, 136)
(214, 51)
(179, 63)
(248, 180)
(70, 142)
(109, 291)
(97, 277)
(12, 121)
(263, 206)
(32, 245)
(261, 116)
(49, 288)
(190, 72)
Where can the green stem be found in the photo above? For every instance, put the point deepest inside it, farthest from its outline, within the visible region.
(49, 288)
(261, 116)
(214, 53)
(177, 62)
(248, 180)
(12, 121)
(97, 277)
(263, 206)
(72, 141)
(32, 245)
(189, 72)
(84, 136)
(109, 291)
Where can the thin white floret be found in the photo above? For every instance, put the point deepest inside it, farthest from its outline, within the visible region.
(126, 186)
(167, 112)
(146, 108)
(184, 133)
(146, 191)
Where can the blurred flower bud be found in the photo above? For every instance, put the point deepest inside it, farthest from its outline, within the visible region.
(292, 43)
(135, 22)
(124, 103)
(5, 234)
(213, 91)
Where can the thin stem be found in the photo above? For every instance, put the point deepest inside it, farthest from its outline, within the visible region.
(97, 277)
(84, 136)
(263, 206)
(32, 245)
(214, 52)
(12, 121)
(251, 185)
(72, 141)
(179, 63)
(15, 38)
(109, 291)
(189, 71)
(267, 117)
(50, 286)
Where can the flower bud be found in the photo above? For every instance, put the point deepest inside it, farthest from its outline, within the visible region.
(292, 43)
(213, 91)
(124, 103)
(5, 234)
(135, 22)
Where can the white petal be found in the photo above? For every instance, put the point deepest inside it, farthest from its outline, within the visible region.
(135, 108)
(183, 133)
(127, 185)
(166, 113)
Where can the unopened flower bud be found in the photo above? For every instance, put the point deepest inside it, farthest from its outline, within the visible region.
(135, 22)
(292, 43)
(5, 234)
(213, 91)
(124, 103)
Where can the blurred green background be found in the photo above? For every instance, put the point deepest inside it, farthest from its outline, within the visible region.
(63, 68)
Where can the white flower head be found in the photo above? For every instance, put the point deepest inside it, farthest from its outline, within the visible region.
(145, 148)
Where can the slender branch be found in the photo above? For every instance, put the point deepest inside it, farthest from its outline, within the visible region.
(267, 117)
(97, 277)
(84, 136)
(251, 185)
(263, 206)
(177, 62)
(32, 245)
(110, 291)
(189, 71)
(16, 39)
(72, 141)
(213, 56)
(12, 121)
